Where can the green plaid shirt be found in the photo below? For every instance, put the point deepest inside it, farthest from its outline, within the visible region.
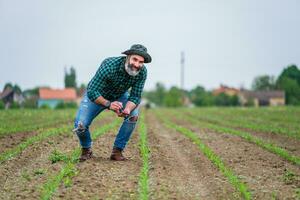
(111, 81)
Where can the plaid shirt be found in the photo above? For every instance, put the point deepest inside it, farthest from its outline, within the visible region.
(111, 81)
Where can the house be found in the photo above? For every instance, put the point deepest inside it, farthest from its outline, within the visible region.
(225, 89)
(9, 95)
(262, 98)
(52, 97)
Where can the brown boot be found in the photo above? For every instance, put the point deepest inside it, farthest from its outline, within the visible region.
(86, 153)
(117, 154)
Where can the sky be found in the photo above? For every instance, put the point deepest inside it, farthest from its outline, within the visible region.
(224, 42)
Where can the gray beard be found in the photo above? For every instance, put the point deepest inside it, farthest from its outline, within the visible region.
(129, 69)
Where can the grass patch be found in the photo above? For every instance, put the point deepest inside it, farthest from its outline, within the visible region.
(144, 151)
(57, 156)
(39, 171)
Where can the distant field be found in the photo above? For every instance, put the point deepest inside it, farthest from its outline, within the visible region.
(195, 153)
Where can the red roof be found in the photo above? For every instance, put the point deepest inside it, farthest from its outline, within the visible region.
(65, 94)
(225, 89)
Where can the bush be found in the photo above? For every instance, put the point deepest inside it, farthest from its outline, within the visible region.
(250, 103)
(45, 106)
(60, 105)
(2, 106)
(71, 105)
(30, 103)
(14, 105)
(63, 105)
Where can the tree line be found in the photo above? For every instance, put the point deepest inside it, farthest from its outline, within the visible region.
(288, 81)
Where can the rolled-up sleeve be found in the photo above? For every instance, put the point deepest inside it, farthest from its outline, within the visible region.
(137, 89)
(98, 81)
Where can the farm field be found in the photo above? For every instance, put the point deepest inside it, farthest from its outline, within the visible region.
(185, 153)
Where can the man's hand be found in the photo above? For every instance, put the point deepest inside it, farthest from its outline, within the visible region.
(124, 112)
(116, 106)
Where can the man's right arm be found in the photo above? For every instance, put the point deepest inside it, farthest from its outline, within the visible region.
(98, 82)
(116, 106)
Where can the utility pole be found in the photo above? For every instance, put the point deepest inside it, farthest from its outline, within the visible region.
(182, 71)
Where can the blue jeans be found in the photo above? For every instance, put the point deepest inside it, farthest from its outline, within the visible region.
(87, 112)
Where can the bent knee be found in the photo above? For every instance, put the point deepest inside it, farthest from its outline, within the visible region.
(79, 128)
(133, 118)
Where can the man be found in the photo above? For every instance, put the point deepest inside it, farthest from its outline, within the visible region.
(108, 89)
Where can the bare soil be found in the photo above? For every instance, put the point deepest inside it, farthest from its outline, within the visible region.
(22, 176)
(264, 173)
(292, 145)
(178, 169)
(8, 141)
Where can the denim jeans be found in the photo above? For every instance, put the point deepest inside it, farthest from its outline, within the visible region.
(87, 112)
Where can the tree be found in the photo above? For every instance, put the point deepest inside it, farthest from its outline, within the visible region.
(200, 97)
(158, 95)
(225, 100)
(70, 78)
(31, 92)
(17, 89)
(292, 90)
(291, 72)
(8, 85)
(289, 81)
(264, 82)
(174, 97)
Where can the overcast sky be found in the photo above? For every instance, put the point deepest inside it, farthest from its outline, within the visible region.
(227, 42)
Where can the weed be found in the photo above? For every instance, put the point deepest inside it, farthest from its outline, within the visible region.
(39, 171)
(57, 156)
(26, 175)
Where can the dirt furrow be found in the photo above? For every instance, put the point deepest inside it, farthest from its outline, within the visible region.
(101, 178)
(265, 173)
(288, 143)
(23, 176)
(9, 141)
(20, 178)
(179, 170)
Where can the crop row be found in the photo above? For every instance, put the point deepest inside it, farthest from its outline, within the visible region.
(243, 134)
(237, 121)
(30, 120)
(64, 129)
(69, 168)
(213, 157)
(144, 151)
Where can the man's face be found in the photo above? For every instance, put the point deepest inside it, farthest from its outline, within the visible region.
(134, 64)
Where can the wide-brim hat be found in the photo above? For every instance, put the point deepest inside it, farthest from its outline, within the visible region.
(138, 49)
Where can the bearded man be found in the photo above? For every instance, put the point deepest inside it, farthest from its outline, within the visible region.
(109, 89)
